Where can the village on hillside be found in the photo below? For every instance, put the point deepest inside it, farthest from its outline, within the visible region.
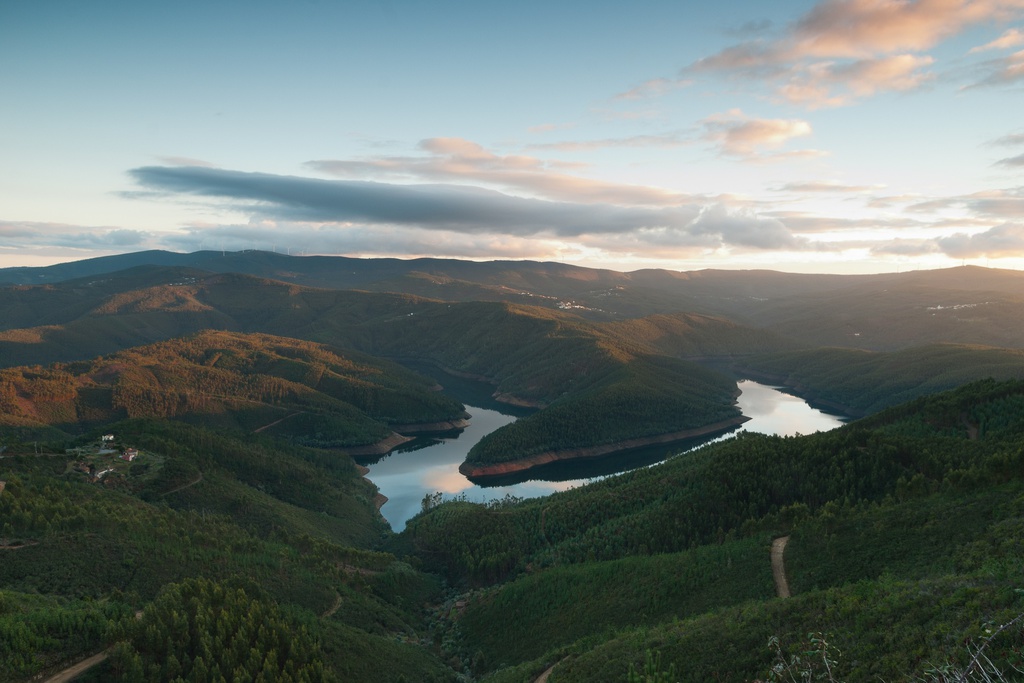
(105, 461)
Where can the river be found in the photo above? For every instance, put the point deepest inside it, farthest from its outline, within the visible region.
(430, 465)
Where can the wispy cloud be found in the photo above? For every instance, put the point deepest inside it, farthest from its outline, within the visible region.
(655, 87)
(1013, 162)
(1011, 140)
(368, 240)
(29, 234)
(665, 141)
(351, 212)
(1003, 71)
(1012, 38)
(842, 51)
(1000, 241)
(751, 28)
(548, 127)
(862, 28)
(185, 161)
(460, 160)
(1001, 204)
(738, 135)
(825, 186)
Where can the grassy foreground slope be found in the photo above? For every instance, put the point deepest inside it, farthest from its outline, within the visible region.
(904, 543)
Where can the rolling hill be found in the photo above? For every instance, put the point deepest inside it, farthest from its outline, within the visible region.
(304, 392)
(903, 556)
(969, 305)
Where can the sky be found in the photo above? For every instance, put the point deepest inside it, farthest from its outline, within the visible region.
(847, 136)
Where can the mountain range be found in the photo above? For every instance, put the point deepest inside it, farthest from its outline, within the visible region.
(246, 381)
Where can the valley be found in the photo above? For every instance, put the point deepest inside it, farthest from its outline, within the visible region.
(405, 477)
(240, 390)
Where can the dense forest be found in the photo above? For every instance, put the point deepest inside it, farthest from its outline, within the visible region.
(309, 393)
(882, 515)
(177, 496)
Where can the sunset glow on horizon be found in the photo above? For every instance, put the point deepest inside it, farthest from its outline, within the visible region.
(831, 136)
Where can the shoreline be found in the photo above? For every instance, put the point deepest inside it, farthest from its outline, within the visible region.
(802, 391)
(385, 445)
(378, 498)
(433, 427)
(400, 435)
(472, 471)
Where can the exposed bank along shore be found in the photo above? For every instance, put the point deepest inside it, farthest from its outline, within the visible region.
(474, 471)
(401, 434)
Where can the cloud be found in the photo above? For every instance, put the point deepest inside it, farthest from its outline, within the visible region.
(751, 28)
(833, 84)
(30, 235)
(1014, 162)
(740, 136)
(347, 212)
(460, 160)
(548, 127)
(1000, 72)
(993, 204)
(656, 87)
(845, 50)
(665, 141)
(1012, 38)
(866, 77)
(1000, 241)
(824, 186)
(802, 223)
(453, 207)
(900, 247)
(885, 202)
(185, 161)
(369, 240)
(744, 229)
(1012, 140)
(862, 28)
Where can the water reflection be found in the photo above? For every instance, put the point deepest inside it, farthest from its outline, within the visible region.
(425, 466)
(771, 411)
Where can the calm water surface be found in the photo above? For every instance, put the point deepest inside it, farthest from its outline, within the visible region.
(406, 476)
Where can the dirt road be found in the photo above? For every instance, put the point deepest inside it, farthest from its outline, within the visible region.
(74, 670)
(779, 568)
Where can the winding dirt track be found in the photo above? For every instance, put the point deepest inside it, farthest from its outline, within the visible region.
(332, 609)
(779, 568)
(183, 486)
(71, 672)
(277, 422)
(543, 678)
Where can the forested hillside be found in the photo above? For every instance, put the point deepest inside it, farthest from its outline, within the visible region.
(862, 382)
(885, 311)
(882, 516)
(283, 532)
(630, 382)
(174, 468)
(308, 393)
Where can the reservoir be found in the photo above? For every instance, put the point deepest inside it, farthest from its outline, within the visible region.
(430, 465)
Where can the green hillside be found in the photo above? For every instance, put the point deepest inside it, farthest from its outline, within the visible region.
(284, 530)
(308, 393)
(885, 311)
(533, 356)
(863, 382)
(176, 492)
(902, 547)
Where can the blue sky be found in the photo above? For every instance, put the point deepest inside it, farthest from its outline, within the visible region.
(844, 135)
